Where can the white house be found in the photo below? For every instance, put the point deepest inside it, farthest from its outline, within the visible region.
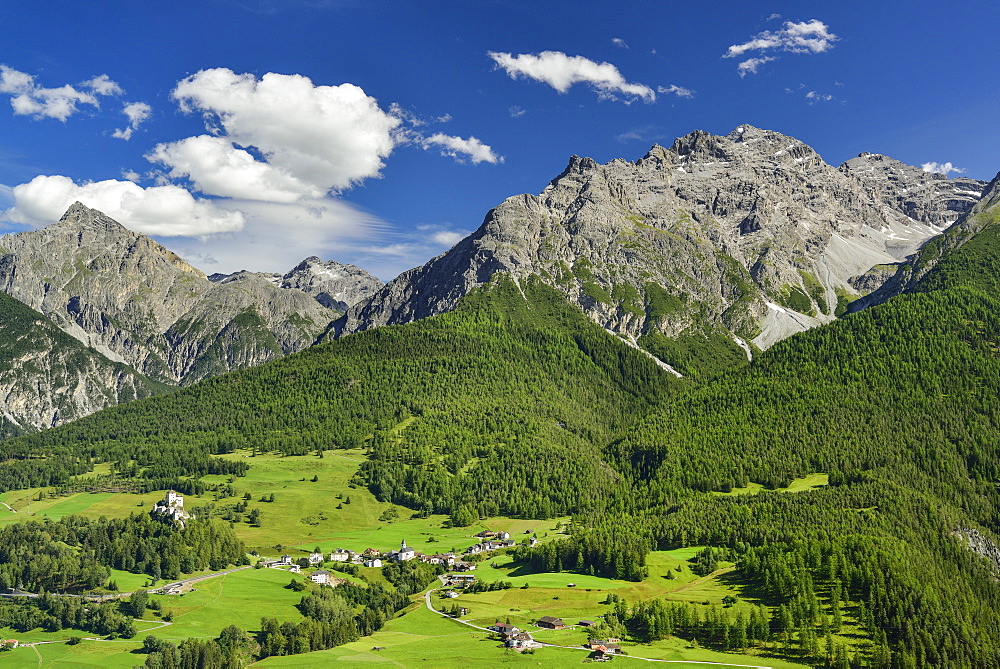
(320, 576)
(340, 555)
(374, 562)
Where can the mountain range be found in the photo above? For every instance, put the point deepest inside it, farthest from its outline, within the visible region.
(703, 253)
(515, 383)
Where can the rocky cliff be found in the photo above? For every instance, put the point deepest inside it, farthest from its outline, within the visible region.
(751, 232)
(891, 280)
(138, 303)
(48, 378)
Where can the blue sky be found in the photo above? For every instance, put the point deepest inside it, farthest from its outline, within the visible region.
(252, 133)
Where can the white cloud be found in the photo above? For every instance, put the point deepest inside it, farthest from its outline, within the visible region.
(448, 237)
(216, 167)
(619, 42)
(159, 210)
(6, 196)
(679, 91)
(327, 138)
(646, 133)
(218, 235)
(812, 36)
(29, 99)
(136, 113)
(942, 168)
(474, 149)
(814, 97)
(276, 237)
(103, 85)
(561, 72)
(750, 65)
(516, 112)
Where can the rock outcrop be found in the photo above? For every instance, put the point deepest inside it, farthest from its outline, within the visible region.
(752, 232)
(334, 285)
(136, 302)
(48, 378)
(891, 280)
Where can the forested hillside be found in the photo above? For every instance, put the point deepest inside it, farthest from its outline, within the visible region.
(514, 381)
(516, 404)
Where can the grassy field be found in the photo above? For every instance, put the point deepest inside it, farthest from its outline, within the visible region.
(241, 598)
(551, 594)
(304, 515)
(85, 654)
(807, 482)
(421, 638)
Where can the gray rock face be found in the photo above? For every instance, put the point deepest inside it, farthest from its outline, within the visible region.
(752, 232)
(932, 199)
(332, 284)
(48, 378)
(890, 280)
(139, 303)
(981, 544)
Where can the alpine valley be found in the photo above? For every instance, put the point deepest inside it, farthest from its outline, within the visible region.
(727, 403)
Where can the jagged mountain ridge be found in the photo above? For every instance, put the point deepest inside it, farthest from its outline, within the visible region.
(139, 303)
(332, 284)
(752, 232)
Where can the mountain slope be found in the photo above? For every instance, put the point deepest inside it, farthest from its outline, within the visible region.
(332, 284)
(514, 375)
(138, 303)
(946, 249)
(48, 378)
(752, 233)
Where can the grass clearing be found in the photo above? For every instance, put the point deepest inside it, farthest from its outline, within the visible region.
(807, 482)
(241, 598)
(84, 654)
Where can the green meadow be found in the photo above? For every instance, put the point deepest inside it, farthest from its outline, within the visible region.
(241, 598)
(808, 482)
(305, 514)
(422, 638)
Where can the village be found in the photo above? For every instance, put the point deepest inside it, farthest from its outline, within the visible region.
(455, 580)
(374, 558)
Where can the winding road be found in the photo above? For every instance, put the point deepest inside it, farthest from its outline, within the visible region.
(427, 600)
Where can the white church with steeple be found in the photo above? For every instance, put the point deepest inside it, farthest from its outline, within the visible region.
(404, 553)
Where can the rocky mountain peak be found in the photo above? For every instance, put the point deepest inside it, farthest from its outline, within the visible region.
(331, 283)
(80, 215)
(751, 232)
(137, 302)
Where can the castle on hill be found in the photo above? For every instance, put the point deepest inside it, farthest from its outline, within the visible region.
(171, 507)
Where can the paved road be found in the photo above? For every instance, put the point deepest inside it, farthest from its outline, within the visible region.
(119, 595)
(195, 579)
